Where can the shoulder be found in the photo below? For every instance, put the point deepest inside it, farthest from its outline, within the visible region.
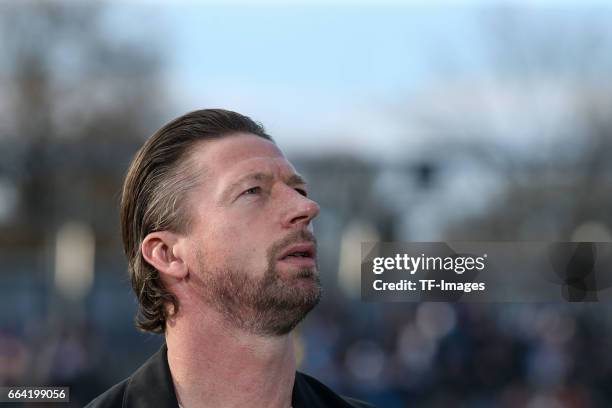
(111, 398)
(313, 389)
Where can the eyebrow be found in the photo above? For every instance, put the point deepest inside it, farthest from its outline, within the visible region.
(294, 179)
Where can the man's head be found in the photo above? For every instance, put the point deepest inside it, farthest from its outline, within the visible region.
(210, 202)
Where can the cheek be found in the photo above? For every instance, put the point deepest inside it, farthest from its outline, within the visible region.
(239, 225)
(236, 247)
(236, 238)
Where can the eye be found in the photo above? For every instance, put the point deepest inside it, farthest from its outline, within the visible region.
(302, 192)
(252, 190)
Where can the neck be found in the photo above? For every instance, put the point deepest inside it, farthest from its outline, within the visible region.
(216, 365)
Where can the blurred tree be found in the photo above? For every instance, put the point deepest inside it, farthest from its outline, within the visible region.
(534, 111)
(75, 101)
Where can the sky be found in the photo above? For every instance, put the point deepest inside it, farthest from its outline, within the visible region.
(326, 77)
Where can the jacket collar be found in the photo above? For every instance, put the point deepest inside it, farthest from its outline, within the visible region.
(151, 385)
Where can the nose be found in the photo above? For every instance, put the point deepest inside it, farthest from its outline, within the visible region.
(300, 210)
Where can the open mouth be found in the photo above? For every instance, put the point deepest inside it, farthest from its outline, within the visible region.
(302, 255)
(299, 255)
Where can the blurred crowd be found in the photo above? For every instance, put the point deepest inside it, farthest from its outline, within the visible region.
(393, 355)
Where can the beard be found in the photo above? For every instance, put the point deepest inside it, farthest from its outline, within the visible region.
(271, 305)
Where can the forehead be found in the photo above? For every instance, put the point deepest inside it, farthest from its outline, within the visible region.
(234, 155)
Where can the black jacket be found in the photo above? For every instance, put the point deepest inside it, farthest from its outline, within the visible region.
(151, 386)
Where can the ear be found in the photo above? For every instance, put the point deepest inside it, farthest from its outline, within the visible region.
(161, 249)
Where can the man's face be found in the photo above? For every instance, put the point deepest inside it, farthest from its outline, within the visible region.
(253, 254)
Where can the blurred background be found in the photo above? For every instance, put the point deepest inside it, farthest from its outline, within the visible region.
(414, 121)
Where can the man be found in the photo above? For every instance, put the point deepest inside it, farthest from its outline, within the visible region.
(217, 229)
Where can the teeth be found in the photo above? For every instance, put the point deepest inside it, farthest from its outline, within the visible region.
(299, 254)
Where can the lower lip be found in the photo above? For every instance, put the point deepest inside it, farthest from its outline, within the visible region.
(301, 262)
